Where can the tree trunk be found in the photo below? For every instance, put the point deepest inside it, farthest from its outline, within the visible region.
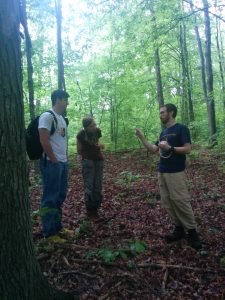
(29, 60)
(209, 74)
(159, 86)
(206, 72)
(221, 65)
(58, 11)
(187, 103)
(184, 103)
(189, 90)
(160, 97)
(21, 277)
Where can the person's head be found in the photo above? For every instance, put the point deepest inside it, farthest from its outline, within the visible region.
(60, 100)
(168, 112)
(89, 124)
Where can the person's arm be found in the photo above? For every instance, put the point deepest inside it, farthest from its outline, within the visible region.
(151, 147)
(44, 139)
(79, 147)
(185, 149)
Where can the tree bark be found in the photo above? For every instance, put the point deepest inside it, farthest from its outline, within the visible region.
(29, 59)
(61, 78)
(184, 103)
(206, 72)
(209, 75)
(159, 87)
(221, 65)
(20, 274)
(160, 97)
(187, 103)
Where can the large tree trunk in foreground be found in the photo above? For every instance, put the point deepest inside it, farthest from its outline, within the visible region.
(20, 275)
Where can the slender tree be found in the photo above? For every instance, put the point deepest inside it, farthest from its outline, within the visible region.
(58, 12)
(159, 86)
(29, 59)
(187, 103)
(160, 97)
(209, 75)
(20, 274)
(221, 63)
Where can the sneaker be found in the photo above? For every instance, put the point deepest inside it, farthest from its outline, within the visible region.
(176, 235)
(66, 232)
(193, 239)
(55, 239)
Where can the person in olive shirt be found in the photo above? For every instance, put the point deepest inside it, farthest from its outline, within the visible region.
(89, 148)
(173, 145)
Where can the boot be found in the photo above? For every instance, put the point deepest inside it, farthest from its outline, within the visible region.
(194, 240)
(92, 214)
(177, 235)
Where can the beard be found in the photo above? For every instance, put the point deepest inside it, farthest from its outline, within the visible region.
(165, 121)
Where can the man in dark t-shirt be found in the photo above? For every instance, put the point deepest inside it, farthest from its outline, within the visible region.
(89, 148)
(173, 145)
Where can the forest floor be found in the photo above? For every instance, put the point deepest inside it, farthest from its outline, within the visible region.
(122, 254)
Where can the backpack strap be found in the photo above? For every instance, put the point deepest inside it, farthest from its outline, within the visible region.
(54, 121)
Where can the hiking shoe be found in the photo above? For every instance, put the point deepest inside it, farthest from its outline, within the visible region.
(176, 235)
(55, 239)
(193, 239)
(92, 214)
(66, 232)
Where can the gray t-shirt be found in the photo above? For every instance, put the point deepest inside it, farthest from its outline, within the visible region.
(58, 139)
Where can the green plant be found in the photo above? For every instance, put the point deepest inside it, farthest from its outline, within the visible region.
(137, 247)
(84, 227)
(222, 261)
(126, 178)
(110, 255)
(43, 212)
(222, 206)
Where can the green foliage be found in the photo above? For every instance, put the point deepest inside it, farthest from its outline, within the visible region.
(222, 206)
(109, 60)
(126, 178)
(194, 154)
(84, 227)
(110, 255)
(42, 212)
(222, 261)
(44, 245)
(137, 247)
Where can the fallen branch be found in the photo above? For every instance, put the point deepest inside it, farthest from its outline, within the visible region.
(152, 266)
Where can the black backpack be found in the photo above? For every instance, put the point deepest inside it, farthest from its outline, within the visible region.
(33, 144)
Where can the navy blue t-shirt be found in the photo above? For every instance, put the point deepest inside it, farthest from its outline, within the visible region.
(176, 136)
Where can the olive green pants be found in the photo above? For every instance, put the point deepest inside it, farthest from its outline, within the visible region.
(92, 177)
(176, 199)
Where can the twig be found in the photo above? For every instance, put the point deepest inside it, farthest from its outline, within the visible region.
(106, 296)
(158, 266)
(163, 288)
(78, 273)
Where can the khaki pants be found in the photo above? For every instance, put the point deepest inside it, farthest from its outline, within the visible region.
(176, 199)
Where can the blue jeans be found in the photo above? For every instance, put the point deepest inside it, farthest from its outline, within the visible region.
(54, 193)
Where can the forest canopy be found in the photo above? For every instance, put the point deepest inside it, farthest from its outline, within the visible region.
(120, 60)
